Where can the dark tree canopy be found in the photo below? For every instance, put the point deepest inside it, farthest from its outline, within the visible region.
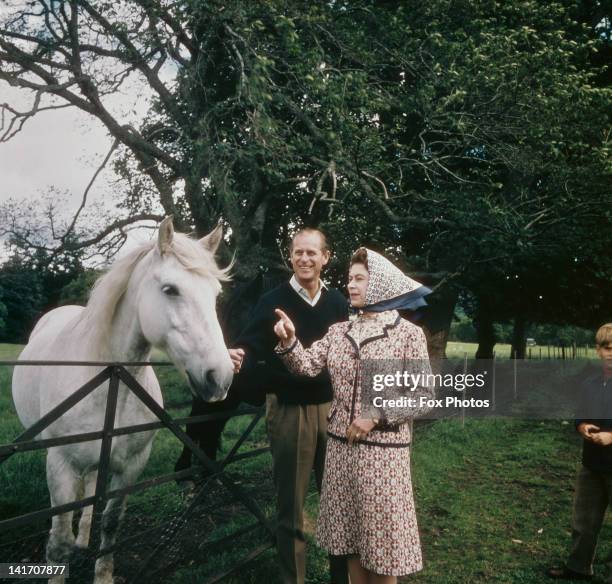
(469, 141)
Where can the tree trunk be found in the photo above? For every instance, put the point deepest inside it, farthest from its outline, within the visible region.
(518, 337)
(486, 333)
(437, 321)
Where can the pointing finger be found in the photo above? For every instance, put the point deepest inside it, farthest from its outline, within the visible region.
(282, 315)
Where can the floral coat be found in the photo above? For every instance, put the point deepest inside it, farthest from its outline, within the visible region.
(385, 337)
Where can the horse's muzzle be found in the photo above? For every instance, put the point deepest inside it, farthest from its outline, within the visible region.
(212, 388)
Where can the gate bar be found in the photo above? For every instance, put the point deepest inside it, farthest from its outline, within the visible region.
(104, 466)
(61, 409)
(211, 466)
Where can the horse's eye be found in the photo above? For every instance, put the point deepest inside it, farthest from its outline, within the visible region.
(170, 290)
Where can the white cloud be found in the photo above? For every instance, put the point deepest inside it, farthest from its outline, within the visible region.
(55, 148)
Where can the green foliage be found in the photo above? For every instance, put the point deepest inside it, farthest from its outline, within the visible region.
(463, 330)
(468, 141)
(77, 290)
(32, 284)
(567, 335)
(3, 312)
(21, 287)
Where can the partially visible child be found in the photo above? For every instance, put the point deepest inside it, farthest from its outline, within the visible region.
(594, 481)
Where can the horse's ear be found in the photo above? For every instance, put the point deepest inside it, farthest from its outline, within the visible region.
(165, 235)
(213, 239)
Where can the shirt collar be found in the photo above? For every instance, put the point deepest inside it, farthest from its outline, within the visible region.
(303, 293)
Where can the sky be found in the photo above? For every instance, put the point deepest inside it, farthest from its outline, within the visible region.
(62, 149)
(58, 148)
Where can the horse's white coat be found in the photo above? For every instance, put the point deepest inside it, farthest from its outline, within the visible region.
(161, 295)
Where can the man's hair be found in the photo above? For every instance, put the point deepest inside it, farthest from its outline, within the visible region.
(360, 257)
(322, 235)
(603, 336)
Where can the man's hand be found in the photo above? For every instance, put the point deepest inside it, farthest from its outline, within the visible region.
(236, 355)
(602, 438)
(588, 431)
(284, 329)
(359, 429)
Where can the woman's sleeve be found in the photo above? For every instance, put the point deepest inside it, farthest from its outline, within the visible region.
(416, 360)
(301, 361)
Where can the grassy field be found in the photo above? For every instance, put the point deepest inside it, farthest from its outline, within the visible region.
(493, 500)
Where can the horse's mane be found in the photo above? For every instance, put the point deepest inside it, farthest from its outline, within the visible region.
(109, 289)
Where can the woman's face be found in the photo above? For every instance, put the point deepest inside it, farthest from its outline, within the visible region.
(358, 284)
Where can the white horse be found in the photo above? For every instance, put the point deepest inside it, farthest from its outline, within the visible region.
(160, 295)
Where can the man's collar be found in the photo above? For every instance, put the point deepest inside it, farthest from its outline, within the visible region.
(298, 287)
(304, 293)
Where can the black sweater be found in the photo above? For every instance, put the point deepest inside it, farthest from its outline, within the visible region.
(311, 324)
(595, 407)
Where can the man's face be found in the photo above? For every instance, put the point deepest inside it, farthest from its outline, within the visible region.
(605, 354)
(307, 257)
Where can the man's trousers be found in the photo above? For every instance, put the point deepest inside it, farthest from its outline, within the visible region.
(298, 438)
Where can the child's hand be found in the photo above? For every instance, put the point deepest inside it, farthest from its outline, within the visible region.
(588, 430)
(602, 438)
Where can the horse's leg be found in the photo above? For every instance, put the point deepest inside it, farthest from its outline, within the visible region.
(89, 488)
(63, 484)
(207, 435)
(113, 513)
(111, 518)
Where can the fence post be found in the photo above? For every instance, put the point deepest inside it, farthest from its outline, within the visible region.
(514, 372)
(464, 391)
(493, 388)
(104, 466)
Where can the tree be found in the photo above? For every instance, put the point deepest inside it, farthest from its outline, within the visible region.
(463, 141)
(22, 295)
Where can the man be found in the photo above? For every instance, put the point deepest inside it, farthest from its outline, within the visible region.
(594, 481)
(297, 407)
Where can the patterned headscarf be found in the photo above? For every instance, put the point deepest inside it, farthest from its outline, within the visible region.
(389, 288)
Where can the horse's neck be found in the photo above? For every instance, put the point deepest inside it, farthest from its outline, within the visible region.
(127, 342)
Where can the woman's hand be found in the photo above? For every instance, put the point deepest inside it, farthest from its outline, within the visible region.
(359, 429)
(284, 329)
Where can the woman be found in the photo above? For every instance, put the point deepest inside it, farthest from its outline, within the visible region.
(367, 510)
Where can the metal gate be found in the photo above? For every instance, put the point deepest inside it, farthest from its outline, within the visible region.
(214, 472)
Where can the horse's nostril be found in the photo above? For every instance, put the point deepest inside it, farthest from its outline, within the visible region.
(210, 377)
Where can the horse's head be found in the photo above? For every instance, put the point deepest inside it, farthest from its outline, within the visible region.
(177, 309)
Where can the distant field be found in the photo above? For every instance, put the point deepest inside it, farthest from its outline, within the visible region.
(9, 352)
(502, 351)
(493, 498)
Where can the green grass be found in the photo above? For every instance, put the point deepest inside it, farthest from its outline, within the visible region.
(493, 498)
